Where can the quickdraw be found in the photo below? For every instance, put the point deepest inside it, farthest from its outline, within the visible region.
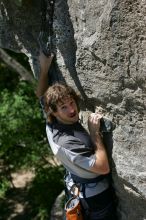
(46, 33)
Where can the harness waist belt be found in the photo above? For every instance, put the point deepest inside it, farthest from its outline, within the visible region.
(78, 179)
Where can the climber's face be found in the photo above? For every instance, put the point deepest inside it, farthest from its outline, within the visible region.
(67, 111)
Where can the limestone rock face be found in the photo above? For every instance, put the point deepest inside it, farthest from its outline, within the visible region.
(101, 51)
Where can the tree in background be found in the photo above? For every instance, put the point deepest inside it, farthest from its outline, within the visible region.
(23, 143)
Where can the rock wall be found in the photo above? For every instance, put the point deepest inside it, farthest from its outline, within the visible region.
(101, 51)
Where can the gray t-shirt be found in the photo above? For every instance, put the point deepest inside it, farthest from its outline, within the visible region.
(72, 145)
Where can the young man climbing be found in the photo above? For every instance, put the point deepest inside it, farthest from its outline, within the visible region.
(81, 153)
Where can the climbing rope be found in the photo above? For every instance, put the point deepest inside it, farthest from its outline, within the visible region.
(46, 33)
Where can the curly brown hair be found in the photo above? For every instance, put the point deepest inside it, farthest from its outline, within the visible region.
(57, 93)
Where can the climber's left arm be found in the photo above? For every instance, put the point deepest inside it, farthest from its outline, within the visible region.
(45, 63)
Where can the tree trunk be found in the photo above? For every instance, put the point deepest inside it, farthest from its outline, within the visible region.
(16, 66)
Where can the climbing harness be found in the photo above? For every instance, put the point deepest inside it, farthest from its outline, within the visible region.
(46, 33)
(81, 184)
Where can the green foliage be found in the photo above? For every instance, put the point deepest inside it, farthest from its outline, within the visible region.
(18, 2)
(22, 131)
(23, 143)
(45, 188)
(8, 79)
(4, 186)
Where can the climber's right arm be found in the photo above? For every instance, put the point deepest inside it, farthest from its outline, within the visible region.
(45, 63)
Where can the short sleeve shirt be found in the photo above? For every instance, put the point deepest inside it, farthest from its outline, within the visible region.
(72, 145)
(74, 148)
